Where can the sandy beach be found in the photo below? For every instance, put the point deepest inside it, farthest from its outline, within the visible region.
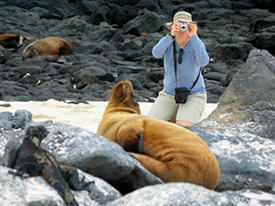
(82, 115)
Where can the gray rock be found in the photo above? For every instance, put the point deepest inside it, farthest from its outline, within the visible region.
(136, 80)
(214, 76)
(148, 22)
(172, 194)
(261, 24)
(109, 31)
(121, 15)
(249, 101)
(21, 118)
(246, 161)
(98, 156)
(264, 40)
(232, 51)
(214, 87)
(5, 55)
(36, 191)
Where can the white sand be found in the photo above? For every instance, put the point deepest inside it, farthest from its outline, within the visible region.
(82, 115)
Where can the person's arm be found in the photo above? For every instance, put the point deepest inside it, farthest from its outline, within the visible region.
(160, 48)
(202, 57)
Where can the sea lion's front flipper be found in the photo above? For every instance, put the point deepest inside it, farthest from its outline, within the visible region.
(140, 147)
(130, 134)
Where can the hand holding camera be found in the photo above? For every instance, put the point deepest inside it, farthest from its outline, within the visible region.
(190, 29)
(183, 26)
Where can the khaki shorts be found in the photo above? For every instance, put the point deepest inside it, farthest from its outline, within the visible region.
(165, 107)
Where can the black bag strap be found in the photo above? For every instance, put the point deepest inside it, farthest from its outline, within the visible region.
(175, 67)
(195, 81)
(175, 61)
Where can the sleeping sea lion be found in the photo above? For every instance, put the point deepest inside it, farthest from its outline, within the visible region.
(33, 160)
(12, 40)
(169, 151)
(51, 49)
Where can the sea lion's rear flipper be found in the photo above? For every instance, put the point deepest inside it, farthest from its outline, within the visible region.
(156, 167)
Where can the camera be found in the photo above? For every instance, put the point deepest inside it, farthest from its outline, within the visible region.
(183, 26)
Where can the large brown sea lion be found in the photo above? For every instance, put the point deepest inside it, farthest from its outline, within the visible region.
(169, 151)
(51, 49)
(33, 160)
(12, 40)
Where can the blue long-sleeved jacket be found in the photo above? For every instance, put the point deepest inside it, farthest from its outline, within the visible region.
(195, 56)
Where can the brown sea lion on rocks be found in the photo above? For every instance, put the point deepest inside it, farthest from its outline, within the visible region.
(33, 160)
(12, 40)
(51, 49)
(169, 151)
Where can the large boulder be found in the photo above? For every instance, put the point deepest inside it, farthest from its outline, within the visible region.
(232, 51)
(187, 194)
(36, 191)
(87, 151)
(246, 161)
(248, 103)
(98, 156)
(147, 22)
(264, 40)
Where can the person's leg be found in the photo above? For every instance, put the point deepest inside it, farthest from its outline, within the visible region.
(164, 107)
(184, 123)
(173, 120)
(191, 112)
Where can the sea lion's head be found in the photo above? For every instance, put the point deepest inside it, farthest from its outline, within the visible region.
(12, 40)
(123, 95)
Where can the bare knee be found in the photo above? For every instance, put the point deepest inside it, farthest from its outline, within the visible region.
(184, 123)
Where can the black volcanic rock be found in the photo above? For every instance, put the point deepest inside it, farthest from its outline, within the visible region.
(114, 34)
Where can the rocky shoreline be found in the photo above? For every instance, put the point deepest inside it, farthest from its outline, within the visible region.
(112, 41)
(240, 132)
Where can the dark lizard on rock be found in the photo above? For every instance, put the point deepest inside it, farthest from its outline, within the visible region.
(33, 160)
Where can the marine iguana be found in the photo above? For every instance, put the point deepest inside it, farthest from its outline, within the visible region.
(33, 160)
